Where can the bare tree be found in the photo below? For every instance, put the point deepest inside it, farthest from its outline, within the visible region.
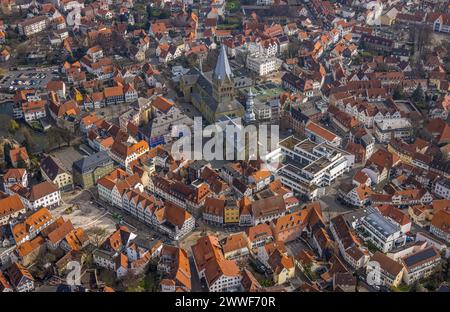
(97, 235)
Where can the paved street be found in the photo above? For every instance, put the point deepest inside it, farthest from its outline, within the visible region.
(330, 206)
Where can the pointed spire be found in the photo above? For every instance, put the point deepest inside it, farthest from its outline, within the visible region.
(223, 69)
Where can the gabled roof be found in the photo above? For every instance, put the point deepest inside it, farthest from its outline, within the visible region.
(176, 215)
(52, 167)
(268, 206)
(441, 221)
(17, 273)
(10, 205)
(4, 284)
(387, 264)
(214, 206)
(13, 173)
(258, 231)
(249, 282)
(42, 189)
(14, 154)
(235, 242)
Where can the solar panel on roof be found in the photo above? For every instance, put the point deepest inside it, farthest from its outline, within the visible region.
(419, 256)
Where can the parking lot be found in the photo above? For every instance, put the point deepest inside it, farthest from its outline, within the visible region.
(24, 79)
(68, 156)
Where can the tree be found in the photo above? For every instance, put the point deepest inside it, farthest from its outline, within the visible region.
(398, 94)
(13, 126)
(6, 149)
(21, 162)
(418, 96)
(97, 235)
(414, 287)
(66, 136)
(4, 123)
(29, 142)
(266, 283)
(54, 138)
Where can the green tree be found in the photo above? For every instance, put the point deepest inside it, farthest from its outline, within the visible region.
(418, 96)
(13, 126)
(21, 162)
(414, 287)
(398, 94)
(6, 149)
(266, 283)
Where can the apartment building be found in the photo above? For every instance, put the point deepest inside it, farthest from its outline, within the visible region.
(21, 279)
(191, 197)
(348, 243)
(44, 194)
(112, 187)
(421, 264)
(378, 230)
(124, 153)
(174, 264)
(32, 225)
(221, 275)
(319, 134)
(388, 271)
(440, 225)
(174, 221)
(54, 171)
(33, 25)
(262, 64)
(213, 211)
(114, 95)
(33, 110)
(267, 209)
(308, 166)
(442, 188)
(388, 129)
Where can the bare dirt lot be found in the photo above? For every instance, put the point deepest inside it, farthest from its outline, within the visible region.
(77, 207)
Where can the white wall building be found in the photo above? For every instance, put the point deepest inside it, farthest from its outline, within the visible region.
(377, 229)
(262, 65)
(309, 166)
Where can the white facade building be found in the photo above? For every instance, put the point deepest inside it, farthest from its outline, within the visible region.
(377, 229)
(263, 65)
(309, 167)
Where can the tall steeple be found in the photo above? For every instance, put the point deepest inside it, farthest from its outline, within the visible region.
(249, 116)
(222, 80)
(223, 69)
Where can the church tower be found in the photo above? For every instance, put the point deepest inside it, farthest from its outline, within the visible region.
(222, 80)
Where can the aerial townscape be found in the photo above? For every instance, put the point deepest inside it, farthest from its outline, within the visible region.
(101, 102)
